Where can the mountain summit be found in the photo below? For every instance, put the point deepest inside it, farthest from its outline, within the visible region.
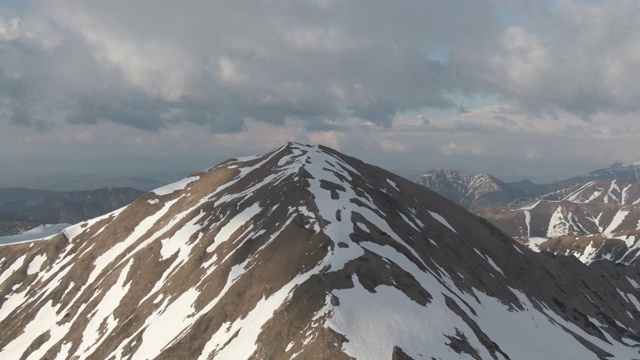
(617, 171)
(305, 253)
(473, 192)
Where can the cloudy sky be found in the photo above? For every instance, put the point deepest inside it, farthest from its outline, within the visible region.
(538, 89)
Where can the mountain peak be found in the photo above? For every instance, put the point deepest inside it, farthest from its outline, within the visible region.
(622, 165)
(617, 165)
(303, 252)
(617, 171)
(470, 191)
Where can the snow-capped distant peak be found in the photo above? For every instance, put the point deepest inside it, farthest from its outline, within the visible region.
(470, 191)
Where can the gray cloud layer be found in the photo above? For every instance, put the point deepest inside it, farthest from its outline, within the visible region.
(150, 64)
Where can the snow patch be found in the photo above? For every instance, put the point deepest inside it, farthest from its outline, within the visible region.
(11, 303)
(178, 185)
(408, 221)
(233, 225)
(36, 264)
(92, 336)
(363, 227)
(558, 225)
(531, 206)
(534, 243)
(374, 323)
(110, 255)
(616, 221)
(165, 324)
(442, 220)
(515, 247)
(238, 340)
(588, 254)
(527, 220)
(39, 325)
(490, 261)
(289, 347)
(63, 354)
(179, 242)
(393, 184)
(13, 268)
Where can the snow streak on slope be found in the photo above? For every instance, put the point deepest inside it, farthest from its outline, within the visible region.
(178, 185)
(617, 220)
(621, 192)
(558, 225)
(442, 220)
(12, 269)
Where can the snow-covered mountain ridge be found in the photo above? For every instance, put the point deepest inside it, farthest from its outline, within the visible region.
(590, 231)
(475, 191)
(622, 192)
(618, 171)
(604, 204)
(305, 253)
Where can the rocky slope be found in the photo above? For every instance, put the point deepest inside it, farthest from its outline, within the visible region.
(473, 192)
(305, 253)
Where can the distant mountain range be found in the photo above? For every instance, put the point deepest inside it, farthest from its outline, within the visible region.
(17, 194)
(12, 223)
(23, 209)
(595, 215)
(306, 253)
(473, 192)
(617, 171)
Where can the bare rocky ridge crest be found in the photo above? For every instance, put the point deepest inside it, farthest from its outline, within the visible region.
(306, 253)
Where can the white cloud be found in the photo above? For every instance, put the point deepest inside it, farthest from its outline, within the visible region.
(365, 76)
(454, 148)
(524, 59)
(402, 120)
(221, 63)
(9, 29)
(394, 146)
(85, 137)
(228, 72)
(319, 39)
(532, 153)
(34, 30)
(577, 56)
(331, 138)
